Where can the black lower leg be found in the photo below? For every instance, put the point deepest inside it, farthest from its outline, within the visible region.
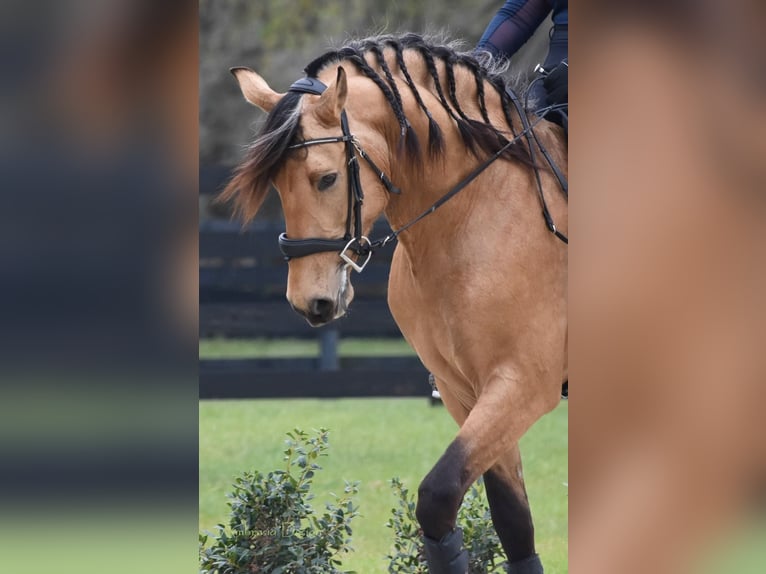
(531, 565)
(441, 492)
(511, 517)
(439, 498)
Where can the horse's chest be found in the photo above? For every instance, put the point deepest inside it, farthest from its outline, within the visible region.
(417, 305)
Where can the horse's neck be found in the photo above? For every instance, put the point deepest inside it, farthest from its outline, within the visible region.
(424, 183)
(501, 193)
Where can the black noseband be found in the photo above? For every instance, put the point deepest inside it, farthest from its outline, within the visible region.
(294, 248)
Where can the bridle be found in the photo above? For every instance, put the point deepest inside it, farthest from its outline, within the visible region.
(354, 241)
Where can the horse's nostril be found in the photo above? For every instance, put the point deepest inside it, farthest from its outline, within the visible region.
(322, 309)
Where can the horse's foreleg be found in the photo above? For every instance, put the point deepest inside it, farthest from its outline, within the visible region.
(438, 504)
(511, 517)
(505, 410)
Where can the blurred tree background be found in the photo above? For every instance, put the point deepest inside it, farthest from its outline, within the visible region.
(277, 38)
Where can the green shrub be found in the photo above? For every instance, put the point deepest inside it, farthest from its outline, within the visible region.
(407, 555)
(272, 527)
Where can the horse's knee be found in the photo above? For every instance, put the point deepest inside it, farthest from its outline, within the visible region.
(441, 492)
(438, 503)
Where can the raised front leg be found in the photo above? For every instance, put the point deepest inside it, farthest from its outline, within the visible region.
(439, 497)
(506, 408)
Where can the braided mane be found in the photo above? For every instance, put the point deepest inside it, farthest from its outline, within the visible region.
(267, 154)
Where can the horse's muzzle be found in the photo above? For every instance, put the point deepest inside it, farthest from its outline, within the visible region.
(319, 312)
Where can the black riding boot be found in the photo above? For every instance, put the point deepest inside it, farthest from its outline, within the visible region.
(531, 565)
(447, 556)
(556, 88)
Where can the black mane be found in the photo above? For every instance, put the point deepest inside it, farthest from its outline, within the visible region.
(282, 127)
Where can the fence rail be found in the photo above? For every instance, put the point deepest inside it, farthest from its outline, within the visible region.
(292, 378)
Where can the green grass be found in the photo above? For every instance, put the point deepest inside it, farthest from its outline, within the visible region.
(371, 440)
(740, 550)
(259, 348)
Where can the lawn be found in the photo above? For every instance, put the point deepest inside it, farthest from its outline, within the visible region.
(371, 440)
(259, 348)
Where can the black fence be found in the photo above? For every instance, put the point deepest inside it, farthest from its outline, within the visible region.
(242, 295)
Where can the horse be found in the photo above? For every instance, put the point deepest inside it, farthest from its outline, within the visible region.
(478, 279)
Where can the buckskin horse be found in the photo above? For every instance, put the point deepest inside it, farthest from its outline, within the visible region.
(478, 281)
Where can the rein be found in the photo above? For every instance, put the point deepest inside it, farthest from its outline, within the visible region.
(357, 242)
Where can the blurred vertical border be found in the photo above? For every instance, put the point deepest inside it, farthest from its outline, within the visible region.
(667, 283)
(98, 285)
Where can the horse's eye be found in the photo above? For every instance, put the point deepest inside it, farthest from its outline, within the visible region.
(326, 181)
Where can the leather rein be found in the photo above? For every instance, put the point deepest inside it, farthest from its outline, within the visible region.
(354, 241)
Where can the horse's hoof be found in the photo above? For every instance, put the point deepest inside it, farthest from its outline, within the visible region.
(531, 565)
(447, 556)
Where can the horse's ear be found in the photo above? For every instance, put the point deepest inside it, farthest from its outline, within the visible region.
(333, 99)
(255, 89)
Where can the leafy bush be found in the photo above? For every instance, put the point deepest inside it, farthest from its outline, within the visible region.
(273, 528)
(408, 554)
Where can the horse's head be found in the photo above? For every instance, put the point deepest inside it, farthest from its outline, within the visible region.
(302, 151)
